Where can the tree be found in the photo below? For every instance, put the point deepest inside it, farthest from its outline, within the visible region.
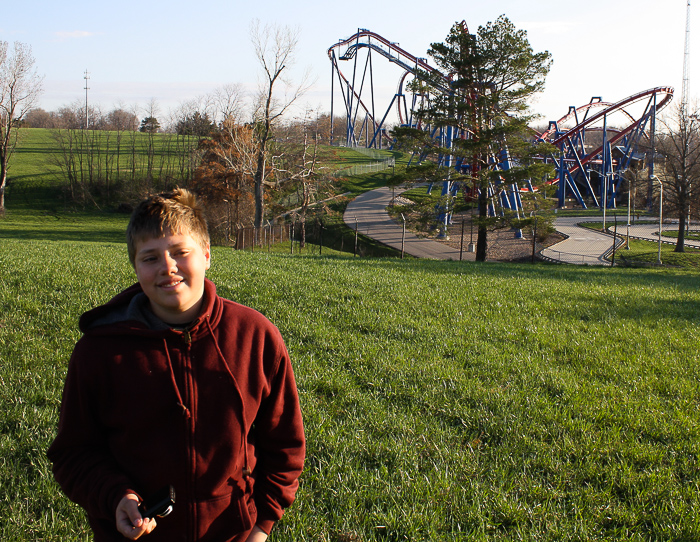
(224, 177)
(227, 102)
(297, 172)
(195, 124)
(39, 118)
(481, 92)
(679, 144)
(120, 120)
(20, 86)
(149, 125)
(275, 48)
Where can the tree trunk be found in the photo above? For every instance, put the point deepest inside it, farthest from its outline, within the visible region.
(482, 233)
(680, 244)
(259, 191)
(3, 183)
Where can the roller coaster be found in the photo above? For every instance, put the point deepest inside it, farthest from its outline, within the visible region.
(596, 143)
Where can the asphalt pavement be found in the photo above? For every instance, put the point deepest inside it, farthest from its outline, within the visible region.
(582, 246)
(368, 214)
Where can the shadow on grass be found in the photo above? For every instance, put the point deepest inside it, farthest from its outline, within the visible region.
(66, 233)
(666, 284)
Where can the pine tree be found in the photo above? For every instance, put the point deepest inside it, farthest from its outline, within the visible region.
(475, 108)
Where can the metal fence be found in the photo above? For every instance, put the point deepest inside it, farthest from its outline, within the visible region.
(314, 238)
(382, 162)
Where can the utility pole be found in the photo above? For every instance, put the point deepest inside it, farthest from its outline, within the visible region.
(686, 57)
(87, 116)
(684, 106)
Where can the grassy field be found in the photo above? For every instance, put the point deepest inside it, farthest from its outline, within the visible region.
(442, 400)
(35, 176)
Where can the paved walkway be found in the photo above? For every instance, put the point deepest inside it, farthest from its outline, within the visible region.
(650, 232)
(582, 246)
(585, 246)
(368, 213)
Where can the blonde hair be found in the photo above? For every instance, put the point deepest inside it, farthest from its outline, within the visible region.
(176, 212)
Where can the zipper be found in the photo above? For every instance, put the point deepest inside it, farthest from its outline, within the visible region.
(188, 400)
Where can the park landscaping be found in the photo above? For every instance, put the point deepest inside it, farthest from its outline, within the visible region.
(443, 401)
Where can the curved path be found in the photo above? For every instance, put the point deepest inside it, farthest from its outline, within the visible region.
(367, 213)
(582, 246)
(586, 246)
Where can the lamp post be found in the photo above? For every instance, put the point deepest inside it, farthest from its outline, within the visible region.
(661, 207)
(605, 198)
(629, 203)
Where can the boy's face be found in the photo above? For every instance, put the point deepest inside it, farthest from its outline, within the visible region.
(171, 271)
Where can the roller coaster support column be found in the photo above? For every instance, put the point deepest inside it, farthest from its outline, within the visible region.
(605, 169)
(332, 96)
(650, 187)
(562, 179)
(518, 207)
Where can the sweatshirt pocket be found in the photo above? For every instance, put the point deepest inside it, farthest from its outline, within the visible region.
(224, 517)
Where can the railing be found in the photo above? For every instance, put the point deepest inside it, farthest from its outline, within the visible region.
(568, 257)
(383, 162)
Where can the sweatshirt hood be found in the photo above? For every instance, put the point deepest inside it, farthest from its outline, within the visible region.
(129, 312)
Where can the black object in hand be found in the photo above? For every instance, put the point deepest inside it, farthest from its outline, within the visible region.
(159, 504)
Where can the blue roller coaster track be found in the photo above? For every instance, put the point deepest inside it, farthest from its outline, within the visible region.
(596, 142)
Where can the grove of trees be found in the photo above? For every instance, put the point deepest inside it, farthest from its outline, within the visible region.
(231, 147)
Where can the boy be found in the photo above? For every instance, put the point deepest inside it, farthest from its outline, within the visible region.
(172, 385)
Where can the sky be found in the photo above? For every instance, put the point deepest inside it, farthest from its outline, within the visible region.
(137, 52)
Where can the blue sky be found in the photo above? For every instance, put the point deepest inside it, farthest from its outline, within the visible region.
(175, 51)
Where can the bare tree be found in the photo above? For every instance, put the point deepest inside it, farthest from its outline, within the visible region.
(224, 177)
(679, 145)
(275, 48)
(121, 120)
(296, 167)
(20, 87)
(228, 103)
(40, 118)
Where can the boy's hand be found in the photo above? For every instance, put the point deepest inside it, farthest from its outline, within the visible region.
(257, 535)
(129, 520)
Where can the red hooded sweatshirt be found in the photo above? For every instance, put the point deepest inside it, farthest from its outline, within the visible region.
(212, 410)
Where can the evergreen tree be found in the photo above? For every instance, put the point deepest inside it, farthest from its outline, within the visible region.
(478, 100)
(195, 124)
(149, 125)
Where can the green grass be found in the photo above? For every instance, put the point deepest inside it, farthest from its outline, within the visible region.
(647, 252)
(692, 235)
(643, 252)
(36, 180)
(63, 226)
(33, 176)
(442, 400)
